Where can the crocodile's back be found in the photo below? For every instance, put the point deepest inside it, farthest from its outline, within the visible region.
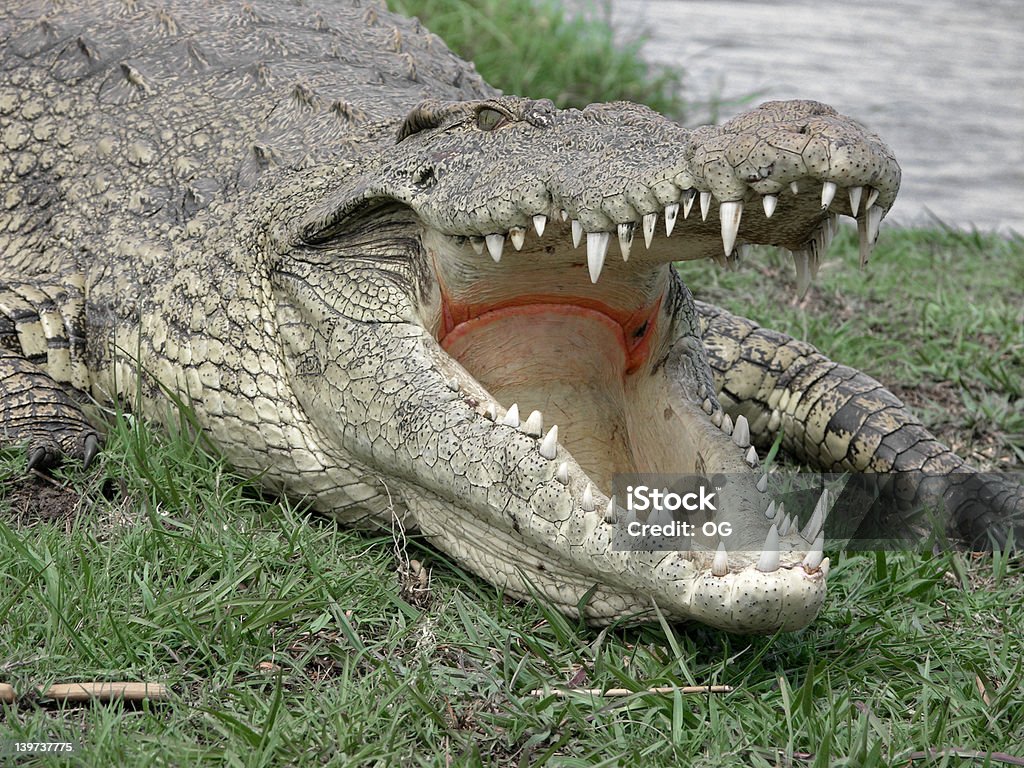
(131, 117)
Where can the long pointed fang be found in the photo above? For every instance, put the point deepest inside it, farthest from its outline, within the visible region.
(813, 559)
(534, 424)
(855, 193)
(814, 525)
(577, 233)
(730, 212)
(769, 202)
(587, 502)
(549, 443)
(770, 512)
(539, 222)
(562, 473)
(726, 425)
(762, 484)
(625, 239)
(705, 205)
(828, 193)
(609, 511)
(751, 457)
(769, 562)
(511, 416)
(688, 197)
(518, 237)
(650, 219)
(720, 565)
(802, 262)
(872, 196)
(741, 432)
(597, 249)
(495, 244)
(671, 212)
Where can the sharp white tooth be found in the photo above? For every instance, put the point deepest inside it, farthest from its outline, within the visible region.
(453, 384)
(518, 236)
(597, 249)
(671, 212)
(549, 443)
(741, 432)
(770, 512)
(872, 196)
(625, 239)
(828, 193)
(539, 222)
(874, 217)
(587, 502)
(751, 457)
(688, 197)
(802, 262)
(495, 245)
(762, 484)
(534, 424)
(855, 193)
(577, 233)
(491, 412)
(562, 473)
(730, 213)
(707, 406)
(867, 232)
(511, 416)
(609, 511)
(794, 188)
(650, 219)
(716, 418)
(720, 565)
(769, 202)
(769, 562)
(727, 424)
(478, 245)
(814, 525)
(824, 567)
(565, 215)
(786, 522)
(813, 560)
(705, 205)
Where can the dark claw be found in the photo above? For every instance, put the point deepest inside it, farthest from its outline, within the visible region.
(38, 460)
(92, 447)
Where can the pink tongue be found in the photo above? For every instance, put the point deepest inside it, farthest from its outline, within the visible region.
(563, 360)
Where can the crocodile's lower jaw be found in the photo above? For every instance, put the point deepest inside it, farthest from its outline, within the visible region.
(625, 379)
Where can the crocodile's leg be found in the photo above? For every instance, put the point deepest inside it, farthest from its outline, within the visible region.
(837, 419)
(42, 344)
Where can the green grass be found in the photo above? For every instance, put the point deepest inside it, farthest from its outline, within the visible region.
(289, 641)
(537, 48)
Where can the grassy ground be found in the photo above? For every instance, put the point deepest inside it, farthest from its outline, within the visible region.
(289, 641)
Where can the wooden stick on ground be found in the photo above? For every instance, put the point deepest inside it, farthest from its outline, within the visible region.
(627, 692)
(106, 691)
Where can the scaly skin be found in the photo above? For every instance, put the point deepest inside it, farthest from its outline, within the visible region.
(296, 217)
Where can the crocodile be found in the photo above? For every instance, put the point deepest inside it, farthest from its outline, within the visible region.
(386, 288)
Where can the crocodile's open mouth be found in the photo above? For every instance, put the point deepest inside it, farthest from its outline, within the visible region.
(565, 328)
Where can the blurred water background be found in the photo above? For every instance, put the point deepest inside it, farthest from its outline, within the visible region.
(941, 80)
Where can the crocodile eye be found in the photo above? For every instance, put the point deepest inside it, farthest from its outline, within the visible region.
(488, 119)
